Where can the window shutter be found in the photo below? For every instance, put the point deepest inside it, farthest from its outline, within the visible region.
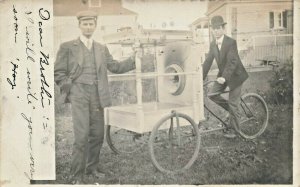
(284, 17)
(271, 18)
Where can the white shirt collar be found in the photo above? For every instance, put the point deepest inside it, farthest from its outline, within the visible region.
(85, 39)
(220, 40)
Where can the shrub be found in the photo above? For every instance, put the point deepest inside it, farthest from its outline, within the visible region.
(282, 84)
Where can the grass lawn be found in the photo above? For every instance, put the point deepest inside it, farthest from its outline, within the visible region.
(266, 160)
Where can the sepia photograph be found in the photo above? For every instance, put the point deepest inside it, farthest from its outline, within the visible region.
(153, 92)
(199, 95)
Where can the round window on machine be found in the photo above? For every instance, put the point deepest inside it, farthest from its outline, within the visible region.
(174, 83)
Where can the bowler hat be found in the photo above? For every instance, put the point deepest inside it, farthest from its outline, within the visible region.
(87, 14)
(217, 21)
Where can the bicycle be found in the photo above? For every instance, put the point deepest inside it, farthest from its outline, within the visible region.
(253, 114)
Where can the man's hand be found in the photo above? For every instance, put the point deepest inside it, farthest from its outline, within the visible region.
(221, 80)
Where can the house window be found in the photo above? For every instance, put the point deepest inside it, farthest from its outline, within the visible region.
(94, 3)
(278, 19)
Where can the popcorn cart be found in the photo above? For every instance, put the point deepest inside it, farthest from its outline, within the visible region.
(169, 123)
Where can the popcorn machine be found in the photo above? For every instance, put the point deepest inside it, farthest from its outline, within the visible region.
(171, 119)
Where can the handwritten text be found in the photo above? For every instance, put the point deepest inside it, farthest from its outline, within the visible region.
(14, 74)
(30, 96)
(45, 85)
(29, 50)
(16, 22)
(31, 158)
(44, 15)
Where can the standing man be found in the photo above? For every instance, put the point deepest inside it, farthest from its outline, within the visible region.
(81, 73)
(231, 70)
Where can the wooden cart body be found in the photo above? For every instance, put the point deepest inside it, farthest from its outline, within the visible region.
(141, 117)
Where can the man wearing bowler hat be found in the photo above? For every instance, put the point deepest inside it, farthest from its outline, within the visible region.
(231, 73)
(81, 73)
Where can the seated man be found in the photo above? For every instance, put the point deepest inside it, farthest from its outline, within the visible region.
(231, 70)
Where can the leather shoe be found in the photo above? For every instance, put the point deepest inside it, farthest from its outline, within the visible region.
(77, 181)
(95, 174)
(226, 120)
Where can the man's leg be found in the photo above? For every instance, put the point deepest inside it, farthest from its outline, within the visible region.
(233, 101)
(217, 98)
(80, 116)
(96, 134)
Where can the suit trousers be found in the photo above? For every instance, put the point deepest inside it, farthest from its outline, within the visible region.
(230, 105)
(88, 125)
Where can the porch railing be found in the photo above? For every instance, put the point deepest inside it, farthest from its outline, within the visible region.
(259, 49)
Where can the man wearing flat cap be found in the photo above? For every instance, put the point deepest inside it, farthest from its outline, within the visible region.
(231, 73)
(81, 73)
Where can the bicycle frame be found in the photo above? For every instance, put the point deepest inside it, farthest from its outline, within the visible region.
(244, 106)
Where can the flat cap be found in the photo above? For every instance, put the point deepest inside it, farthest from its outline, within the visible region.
(87, 14)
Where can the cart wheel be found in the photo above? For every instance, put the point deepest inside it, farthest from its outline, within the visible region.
(123, 141)
(174, 143)
(254, 116)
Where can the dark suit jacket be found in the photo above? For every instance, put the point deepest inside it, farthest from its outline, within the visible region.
(229, 63)
(68, 66)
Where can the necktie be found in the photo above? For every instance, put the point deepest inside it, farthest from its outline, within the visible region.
(219, 45)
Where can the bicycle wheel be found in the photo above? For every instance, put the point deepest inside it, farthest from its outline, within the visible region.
(123, 141)
(254, 116)
(174, 147)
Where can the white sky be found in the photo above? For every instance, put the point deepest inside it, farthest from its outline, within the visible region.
(181, 13)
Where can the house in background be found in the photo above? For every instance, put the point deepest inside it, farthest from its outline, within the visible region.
(112, 18)
(167, 14)
(263, 29)
(200, 30)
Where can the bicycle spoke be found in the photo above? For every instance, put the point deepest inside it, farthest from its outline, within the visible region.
(178, 129)
(178, 146)
(171, 140)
